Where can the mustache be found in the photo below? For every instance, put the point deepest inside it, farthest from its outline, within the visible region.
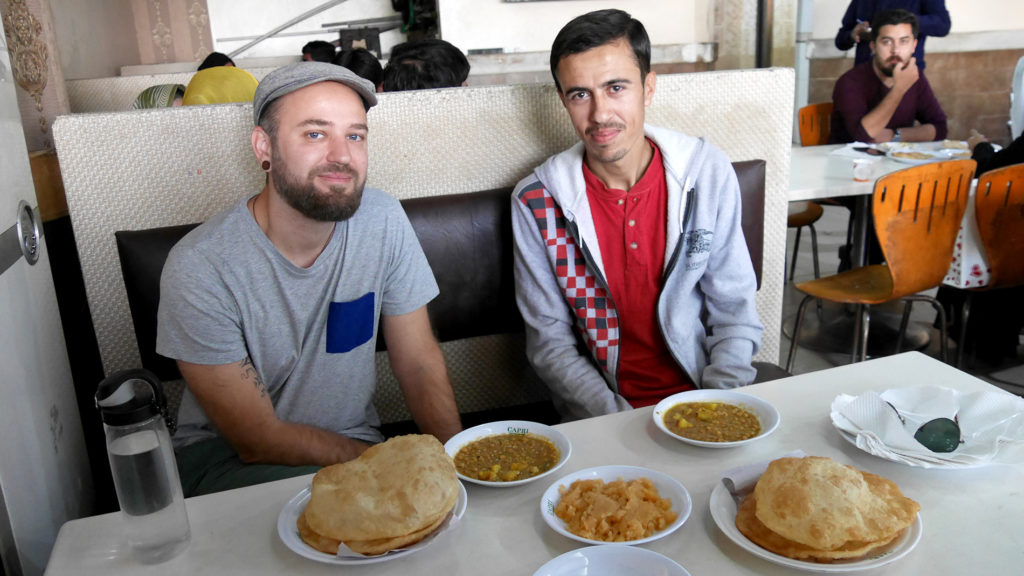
(334, 168)
(606, 126)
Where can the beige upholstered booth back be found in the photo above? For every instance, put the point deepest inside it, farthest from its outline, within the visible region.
(151, 168)
(118, 92)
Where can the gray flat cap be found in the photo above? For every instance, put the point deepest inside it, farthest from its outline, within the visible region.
(290, 78)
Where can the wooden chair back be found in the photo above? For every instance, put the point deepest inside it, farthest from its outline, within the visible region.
(999, 206)
(815, 123)
(917, 214)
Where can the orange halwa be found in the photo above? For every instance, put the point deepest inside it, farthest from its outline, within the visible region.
(618, 511)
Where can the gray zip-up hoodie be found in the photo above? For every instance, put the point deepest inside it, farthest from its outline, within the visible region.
(706, 309)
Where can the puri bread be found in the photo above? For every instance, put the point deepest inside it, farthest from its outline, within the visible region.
(394, 489)
(824, 505)
(382, 545)
(758, 533)
(317, 541)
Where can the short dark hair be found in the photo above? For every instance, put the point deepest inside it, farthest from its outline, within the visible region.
(597, 29)
(429, 63)
(319, 50)
(362, 62)
(892, 18)
(215, 59)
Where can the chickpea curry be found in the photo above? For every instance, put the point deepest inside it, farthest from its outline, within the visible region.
(711, 422)
(507, 457)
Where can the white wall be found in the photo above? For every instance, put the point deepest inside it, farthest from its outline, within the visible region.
(531, 26)
(231, 18)
(965, 15)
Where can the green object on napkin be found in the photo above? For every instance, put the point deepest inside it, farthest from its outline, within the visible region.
(939, 435)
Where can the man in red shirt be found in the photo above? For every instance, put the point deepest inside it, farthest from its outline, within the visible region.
(629, 240)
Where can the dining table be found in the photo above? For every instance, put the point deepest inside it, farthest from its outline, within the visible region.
(971, 519)
(819, 172)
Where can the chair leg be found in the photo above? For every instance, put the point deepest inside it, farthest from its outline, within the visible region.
(860, 334)
(796, 249)
(814, 251)
(904, 321)
(940, 313)
(965, 313)
(796, 333)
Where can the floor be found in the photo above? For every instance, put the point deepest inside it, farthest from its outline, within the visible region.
(831, 230)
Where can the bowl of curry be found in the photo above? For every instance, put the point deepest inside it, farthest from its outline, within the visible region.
(508, 453)
(715, 418)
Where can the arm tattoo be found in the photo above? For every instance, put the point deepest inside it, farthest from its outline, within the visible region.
(249, 372)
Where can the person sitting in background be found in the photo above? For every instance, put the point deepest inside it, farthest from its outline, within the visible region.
(887, 99)
(318, 51)
(220, 85)
(159, 96)
(988, 158)
(216, 59)
(932, 20)
(422, 64)
(363, 63)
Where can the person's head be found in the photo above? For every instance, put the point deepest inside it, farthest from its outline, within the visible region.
(216, 59)
(601, 65)
(362, 62)
(159, 96)
(220, 85)
(421, 64)
(318, 51)
(310, 136)
(597, 29)
(893, 39)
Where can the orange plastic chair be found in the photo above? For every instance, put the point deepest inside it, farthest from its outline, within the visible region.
(814, 131)
(815, 123)
(917, 214)
(999, 207)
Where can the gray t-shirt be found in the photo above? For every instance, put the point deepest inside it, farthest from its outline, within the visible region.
(227, 293)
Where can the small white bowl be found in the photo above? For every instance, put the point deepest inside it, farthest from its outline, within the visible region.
(668, 487)
(560, 440)
(611, 560)
(766, 414)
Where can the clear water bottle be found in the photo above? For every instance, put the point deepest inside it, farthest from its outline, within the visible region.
(132, 406)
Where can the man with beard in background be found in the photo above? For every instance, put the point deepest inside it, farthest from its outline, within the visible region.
(271, 307)
(887, 99)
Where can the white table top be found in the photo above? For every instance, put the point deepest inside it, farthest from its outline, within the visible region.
(815, 173)
(972, 519)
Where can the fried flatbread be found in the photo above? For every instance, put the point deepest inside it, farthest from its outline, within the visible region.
(393, 490)
(823, 505)
(758, 533)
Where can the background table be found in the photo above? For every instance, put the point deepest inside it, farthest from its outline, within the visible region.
(971, 519)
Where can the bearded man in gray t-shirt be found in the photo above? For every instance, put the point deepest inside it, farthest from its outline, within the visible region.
(271, 307)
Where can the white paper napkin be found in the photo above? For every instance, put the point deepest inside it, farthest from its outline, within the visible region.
(849, 152)
(990, 422)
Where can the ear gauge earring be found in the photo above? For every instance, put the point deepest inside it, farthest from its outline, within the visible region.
(265, 165)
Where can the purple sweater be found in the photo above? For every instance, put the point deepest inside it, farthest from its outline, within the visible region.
(860, 90)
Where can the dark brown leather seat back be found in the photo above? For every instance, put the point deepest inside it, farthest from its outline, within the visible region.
(467, 239)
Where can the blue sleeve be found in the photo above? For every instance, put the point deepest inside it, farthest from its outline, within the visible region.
(933, 19)
(843, 39)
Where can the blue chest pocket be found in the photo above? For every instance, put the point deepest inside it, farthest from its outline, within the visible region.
(349, 324)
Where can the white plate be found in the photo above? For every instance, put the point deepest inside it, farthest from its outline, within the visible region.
(611, 560)
(455, 443)
(723, 511)
(766, 414)
(667, 486)
(289, 532)
(937, 464)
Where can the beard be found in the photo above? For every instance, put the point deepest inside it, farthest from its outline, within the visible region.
(886, 68)
(301, 194)
(606, 155)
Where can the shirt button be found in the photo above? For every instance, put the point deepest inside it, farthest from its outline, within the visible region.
(633, 245)
(620, 202)
(632, 222)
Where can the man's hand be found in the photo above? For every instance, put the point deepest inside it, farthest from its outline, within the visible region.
(861, 32)
(905, 76)
(975, 138)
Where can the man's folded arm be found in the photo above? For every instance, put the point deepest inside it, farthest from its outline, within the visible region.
(235, 399)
